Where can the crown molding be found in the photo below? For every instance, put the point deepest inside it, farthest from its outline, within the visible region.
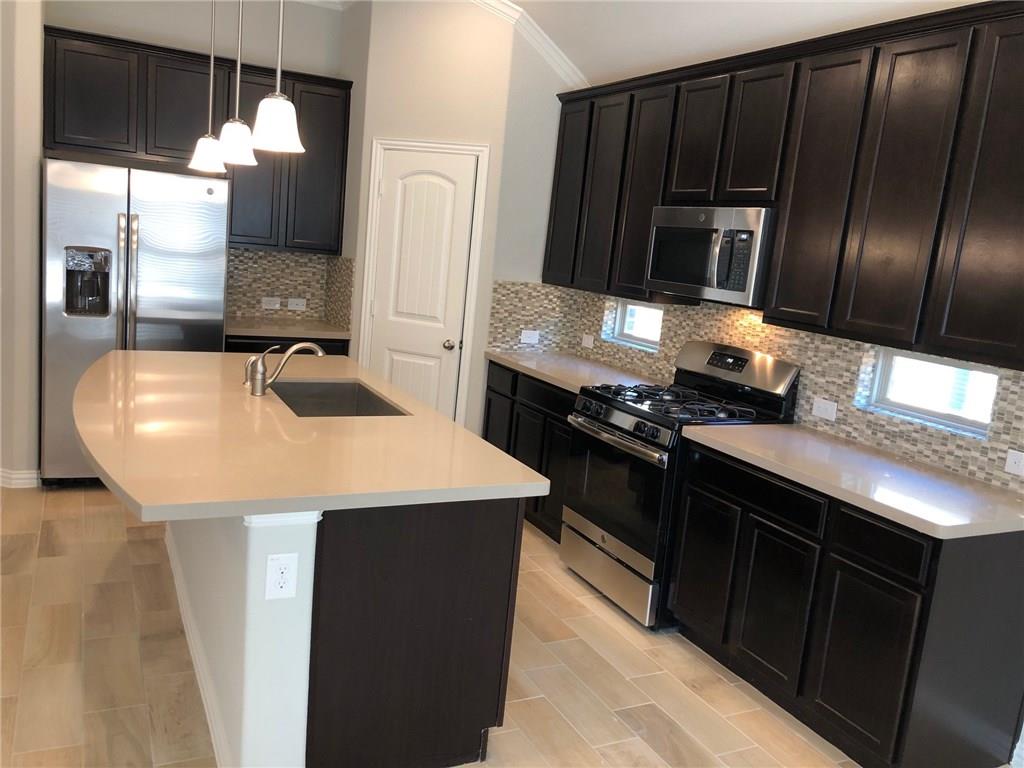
(538, 40)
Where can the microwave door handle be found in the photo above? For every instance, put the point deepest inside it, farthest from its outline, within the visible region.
(633, 448)
(711, 279)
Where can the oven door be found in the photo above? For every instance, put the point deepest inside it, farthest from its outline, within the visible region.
(614, 493)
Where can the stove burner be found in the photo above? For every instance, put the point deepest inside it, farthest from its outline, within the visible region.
(677, 402)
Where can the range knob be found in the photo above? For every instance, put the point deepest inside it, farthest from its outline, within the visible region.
(598, 409)
(640, 428)
(586, 406)
(653, 432)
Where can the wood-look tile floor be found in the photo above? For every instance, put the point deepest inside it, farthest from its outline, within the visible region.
(95, 666)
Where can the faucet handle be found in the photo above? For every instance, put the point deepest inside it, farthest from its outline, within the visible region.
(261, 360)
(248, 369)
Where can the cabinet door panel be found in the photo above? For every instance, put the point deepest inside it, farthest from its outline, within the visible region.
(827, 116)
(700, 124)
(773, 602)
(975, 306)
(316, 178)
(557, 443)
(177, 91)
(256, 189)
(704, 573)
(862, 653)
(607, 151)
(900, 179)
(497, 419)
(95, 91)
(567, 192)
(757, 126)
(649, 131)
(528, 447)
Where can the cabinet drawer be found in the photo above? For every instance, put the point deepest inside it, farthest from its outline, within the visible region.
(784, 503)
(555, 401)
(863, 538)
(501, 379)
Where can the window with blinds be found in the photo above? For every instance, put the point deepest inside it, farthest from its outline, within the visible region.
(930, 389)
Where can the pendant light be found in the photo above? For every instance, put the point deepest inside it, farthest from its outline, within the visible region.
(206, 156)
(235, 137)
(276, 128)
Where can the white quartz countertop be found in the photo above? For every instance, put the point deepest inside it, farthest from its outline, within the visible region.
(931, 501)
(176, 435)
(285, 327)
(566, 371)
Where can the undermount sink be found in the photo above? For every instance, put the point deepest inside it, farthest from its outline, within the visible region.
(333, 398)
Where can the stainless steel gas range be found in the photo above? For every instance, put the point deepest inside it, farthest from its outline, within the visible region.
(626, 457)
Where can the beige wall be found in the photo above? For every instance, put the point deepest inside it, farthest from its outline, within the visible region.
(21, 138)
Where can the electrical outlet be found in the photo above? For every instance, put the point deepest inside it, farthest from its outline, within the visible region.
(587, 341)
(1015, 462)
(271, 302)
(530, 337)
(825, 409)
(282, 575)
(296, 303)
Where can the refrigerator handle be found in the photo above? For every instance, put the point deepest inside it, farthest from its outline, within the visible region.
(133, 279)
(122, 272)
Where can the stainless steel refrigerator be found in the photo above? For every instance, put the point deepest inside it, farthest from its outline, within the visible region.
(132, 260)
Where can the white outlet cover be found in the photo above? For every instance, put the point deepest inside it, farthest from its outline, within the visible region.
(825, 409)
(587, 341)
(1015, 462)
(530, 337)
(296, 303)
(282, 575)
(271, 302)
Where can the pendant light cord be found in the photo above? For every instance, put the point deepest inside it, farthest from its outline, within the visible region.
(280, 40)
(238, 64)
(213, 41)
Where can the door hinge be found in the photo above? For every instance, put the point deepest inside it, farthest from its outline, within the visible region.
(380, 186)
(371, 307)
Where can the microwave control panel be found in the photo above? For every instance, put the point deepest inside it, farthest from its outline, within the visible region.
(739, 266)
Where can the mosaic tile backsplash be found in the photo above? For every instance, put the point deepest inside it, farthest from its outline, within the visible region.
(831, 368)
(320, 280)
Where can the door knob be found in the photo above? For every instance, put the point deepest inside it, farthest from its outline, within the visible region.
(448, 344)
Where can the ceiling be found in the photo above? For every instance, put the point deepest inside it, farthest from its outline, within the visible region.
(613, 39)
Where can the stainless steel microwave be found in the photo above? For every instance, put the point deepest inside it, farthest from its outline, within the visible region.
(718, 254)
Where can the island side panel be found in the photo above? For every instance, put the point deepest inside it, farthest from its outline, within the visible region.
(412, 624)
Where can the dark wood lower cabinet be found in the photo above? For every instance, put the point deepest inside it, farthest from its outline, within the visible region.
(775, 586)
(412, 630)
(255, 345)
(557, 442)
(900, 649)
(497, 420)
(527, 445)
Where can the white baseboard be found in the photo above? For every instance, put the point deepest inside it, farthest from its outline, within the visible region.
(199, 660)
(19, 478)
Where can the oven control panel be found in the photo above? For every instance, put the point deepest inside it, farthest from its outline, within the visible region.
(637, 427)
(728, 362)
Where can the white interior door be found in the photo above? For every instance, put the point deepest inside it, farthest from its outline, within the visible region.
(424, 230)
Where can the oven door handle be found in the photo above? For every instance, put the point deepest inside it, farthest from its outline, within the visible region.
(632, 447)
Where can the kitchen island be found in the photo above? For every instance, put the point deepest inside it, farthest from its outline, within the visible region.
(403, 532)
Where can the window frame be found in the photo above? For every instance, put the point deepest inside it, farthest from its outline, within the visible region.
(619, 334)
(948, 421)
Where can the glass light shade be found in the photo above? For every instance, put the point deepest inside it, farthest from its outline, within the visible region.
(276, 128)
(206, 156)
(236, 143)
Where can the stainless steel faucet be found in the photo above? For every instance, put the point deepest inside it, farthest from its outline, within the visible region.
(256, 366)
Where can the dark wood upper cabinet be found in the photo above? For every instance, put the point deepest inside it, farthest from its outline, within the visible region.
(898, 190)
(609, 129)
(975, 303)
(649, 132)
(177, 92)
(825, 130)
(93, 95)
(256, 189)
(567, 192)
(700, 125)
(316, 178)
(864, 650)
(755, 130)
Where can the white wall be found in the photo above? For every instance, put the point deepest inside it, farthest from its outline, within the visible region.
(21, 88)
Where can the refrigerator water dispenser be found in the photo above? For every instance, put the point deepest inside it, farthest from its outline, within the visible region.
(86, 281)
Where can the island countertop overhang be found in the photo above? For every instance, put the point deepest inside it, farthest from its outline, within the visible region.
(177, 436)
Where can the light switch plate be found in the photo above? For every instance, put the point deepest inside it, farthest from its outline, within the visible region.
(296, 303)
(587, 341)
(271, 302)
(530, 337)
(825, 409)
(282, 575)
(1015, 462)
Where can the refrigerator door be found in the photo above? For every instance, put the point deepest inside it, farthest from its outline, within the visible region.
(177, 262)
(84, 230)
